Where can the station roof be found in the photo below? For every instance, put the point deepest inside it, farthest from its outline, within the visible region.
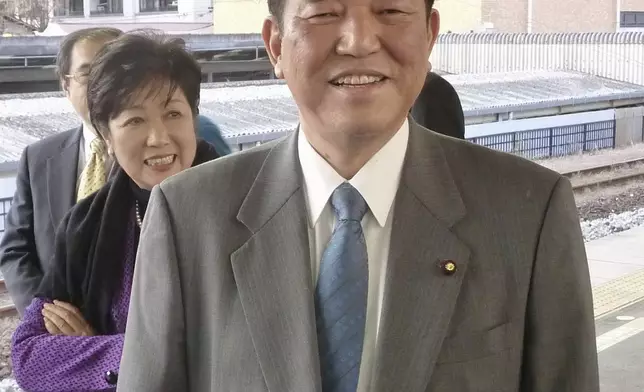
(483, 94)
(261, 110)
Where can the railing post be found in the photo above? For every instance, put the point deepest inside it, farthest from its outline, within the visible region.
(514, 141)
(585, 138)
(550, 131)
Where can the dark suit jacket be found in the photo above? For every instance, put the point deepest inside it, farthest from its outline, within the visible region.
(45, 190)
(438, 107)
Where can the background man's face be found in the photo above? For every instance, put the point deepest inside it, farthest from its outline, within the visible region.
(354, 65)
(75, 85)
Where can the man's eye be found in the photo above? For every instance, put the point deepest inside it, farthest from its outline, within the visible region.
(325, 15)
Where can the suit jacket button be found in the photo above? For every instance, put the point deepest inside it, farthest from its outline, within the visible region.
(448, 267)
(111, 377)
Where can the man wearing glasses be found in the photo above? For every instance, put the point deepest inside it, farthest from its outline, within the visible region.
(53, 174)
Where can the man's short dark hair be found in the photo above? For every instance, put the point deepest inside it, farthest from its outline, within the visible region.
(276, 8)
(134, 61)
(64, 57)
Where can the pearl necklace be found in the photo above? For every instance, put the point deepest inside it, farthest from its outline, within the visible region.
(139, 221)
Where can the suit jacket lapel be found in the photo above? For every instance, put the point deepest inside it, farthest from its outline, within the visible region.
(61, 177)
(273, 274)
(419, 294)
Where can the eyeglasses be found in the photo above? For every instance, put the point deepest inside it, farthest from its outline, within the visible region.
(79, 77)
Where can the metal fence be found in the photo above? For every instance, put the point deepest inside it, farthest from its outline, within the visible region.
(612, 55)
(531, 144)
(5, 203)
(553, 142)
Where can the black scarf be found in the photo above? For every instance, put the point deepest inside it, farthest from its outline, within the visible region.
(87, 264)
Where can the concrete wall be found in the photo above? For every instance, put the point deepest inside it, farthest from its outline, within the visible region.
(572, 16)
(509, 16)
(633, 5)
(461, 16)
(239, 16)
(554, 16)
(629, 126)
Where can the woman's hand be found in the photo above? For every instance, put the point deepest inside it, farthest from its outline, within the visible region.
(62, 318)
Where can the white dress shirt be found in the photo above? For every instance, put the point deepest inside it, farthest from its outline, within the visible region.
(84, 149)
(377, 182)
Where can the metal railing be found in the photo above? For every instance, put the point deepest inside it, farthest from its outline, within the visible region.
(209, 69)
(205, 56)
(531, 144)
(612, 55)
(5, 204)
(553, 142)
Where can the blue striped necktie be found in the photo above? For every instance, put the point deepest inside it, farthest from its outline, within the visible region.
(341, 294)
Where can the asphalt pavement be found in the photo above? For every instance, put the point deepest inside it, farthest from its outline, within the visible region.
(620, 344)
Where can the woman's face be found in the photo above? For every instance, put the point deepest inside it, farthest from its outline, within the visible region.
(154, 138)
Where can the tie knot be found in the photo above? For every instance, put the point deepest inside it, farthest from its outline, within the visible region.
(97, 146)
(348, 203)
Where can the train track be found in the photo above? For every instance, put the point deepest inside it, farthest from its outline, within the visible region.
(599, 176)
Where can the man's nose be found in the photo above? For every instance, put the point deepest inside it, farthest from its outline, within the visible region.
(360, 34)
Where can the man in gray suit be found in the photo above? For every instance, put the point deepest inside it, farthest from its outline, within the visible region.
(362, 252)
(47, 184)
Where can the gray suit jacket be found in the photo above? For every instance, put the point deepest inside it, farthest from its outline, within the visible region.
(45, 190)
(223, 299)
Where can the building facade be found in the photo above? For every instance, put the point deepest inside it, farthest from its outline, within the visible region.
(238, 16)
(462, 16)
(246, 16)
(171, 16)
(557, 16)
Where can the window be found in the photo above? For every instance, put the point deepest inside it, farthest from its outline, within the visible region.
(632, 19)
(68, 8)
(99, 7)
(158, 5)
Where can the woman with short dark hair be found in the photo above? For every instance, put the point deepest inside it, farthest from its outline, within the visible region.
(143, 97)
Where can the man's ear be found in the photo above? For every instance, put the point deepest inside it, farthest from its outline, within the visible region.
(272, 37)
(433, 27)
(109, 145)
(64, 85)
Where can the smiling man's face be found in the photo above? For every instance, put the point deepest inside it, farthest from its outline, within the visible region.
(353, 66)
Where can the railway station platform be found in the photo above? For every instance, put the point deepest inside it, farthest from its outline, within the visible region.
(616, 264)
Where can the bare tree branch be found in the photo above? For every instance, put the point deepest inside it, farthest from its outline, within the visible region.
(33, 13)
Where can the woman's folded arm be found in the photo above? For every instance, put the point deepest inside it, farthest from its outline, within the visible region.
(44, 362)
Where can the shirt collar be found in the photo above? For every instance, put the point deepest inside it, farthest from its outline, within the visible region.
(88, 136)
(377, 181)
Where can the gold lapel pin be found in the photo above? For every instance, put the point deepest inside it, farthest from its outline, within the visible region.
(448, 267)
